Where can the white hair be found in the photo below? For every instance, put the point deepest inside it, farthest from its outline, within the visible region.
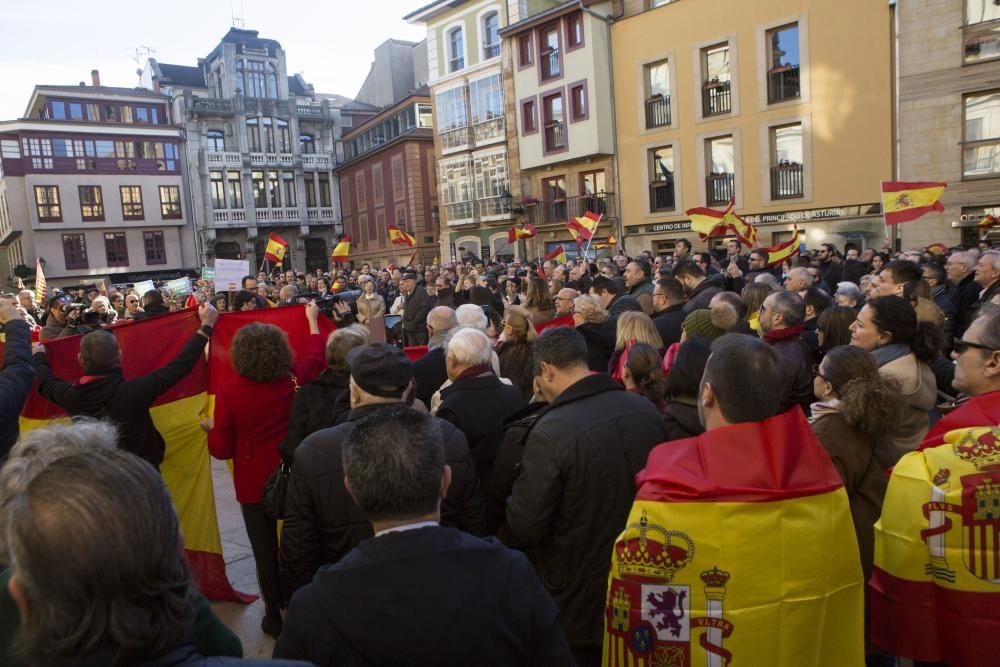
(768, 278)
(996, 258)
(470, 347)
(471, 315)
(849, 289)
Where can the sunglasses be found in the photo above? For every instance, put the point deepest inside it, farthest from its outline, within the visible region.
(962, 346)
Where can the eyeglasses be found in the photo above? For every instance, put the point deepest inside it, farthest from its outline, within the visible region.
(816, 373)
(962, 346)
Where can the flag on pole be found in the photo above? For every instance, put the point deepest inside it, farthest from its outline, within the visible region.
(342, 250)
(557, 254)
(739, 549)
(710, 222)
(777, 254)
(276, 249)
(585, 225)
(399, 237)
(903, 202)
(39, 282)
(601, 245)
(516, 233)
(989, 220)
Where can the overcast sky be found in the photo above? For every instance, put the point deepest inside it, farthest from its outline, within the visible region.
(330, 42)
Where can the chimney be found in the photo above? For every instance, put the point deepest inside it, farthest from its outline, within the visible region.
(156, 85)
(95, 77)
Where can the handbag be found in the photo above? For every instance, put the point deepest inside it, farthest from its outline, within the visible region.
(276, 486)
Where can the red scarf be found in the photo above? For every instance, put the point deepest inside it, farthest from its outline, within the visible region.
(775, 335)
(473, 371)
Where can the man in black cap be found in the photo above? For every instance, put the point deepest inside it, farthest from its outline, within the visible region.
(322, 523)
(418, 304)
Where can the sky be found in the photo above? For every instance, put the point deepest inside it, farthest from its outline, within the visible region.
(330, 42)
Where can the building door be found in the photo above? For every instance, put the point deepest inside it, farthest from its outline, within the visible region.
(316, 257)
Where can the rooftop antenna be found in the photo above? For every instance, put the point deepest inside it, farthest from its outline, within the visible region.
(238, 21)
(140, 53)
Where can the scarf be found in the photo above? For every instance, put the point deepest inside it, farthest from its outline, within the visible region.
(474, 371)
(889, 353)
(776, 335)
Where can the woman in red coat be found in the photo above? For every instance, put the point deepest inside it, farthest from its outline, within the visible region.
(251, 418)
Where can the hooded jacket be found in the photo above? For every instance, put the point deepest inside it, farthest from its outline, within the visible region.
(425, 596)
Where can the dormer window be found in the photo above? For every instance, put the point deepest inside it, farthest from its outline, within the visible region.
(255, 78)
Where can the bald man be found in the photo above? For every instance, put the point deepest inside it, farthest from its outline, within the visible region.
(564, 301)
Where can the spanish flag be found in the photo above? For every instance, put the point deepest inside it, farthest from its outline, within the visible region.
(903, 202)
(989, 220)
(935, 589)
(399, 237)
(710, 222)
(740, 549)
(40, 286)
(557, 254)
(516, 233)
(585, 225)
(606, 244)
(343, 249)
(777, 254)
(276, 249)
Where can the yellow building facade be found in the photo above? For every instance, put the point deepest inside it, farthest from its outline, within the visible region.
(785, 106)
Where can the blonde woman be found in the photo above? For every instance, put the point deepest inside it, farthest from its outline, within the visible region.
(539, 302)
(591, 319)
(515, 350)
(753, 296)
(370, 303)
(633, 327)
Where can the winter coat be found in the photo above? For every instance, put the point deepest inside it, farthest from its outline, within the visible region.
(15, 381)
(418, 304)
(575, 491)
(430, 372)
(669, 323)
(622, 303)
(920, 392)
(370, 307)
(315, 406)
(643, 293)
(682, 420)
(796, 362)
(515, 365)
(507, 465)
(701, 296)
(600, 340)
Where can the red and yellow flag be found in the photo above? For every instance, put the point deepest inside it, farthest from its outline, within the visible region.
(903, 202)
(739, 548)
(710, 222)
(276, 249)
(585, 225)
(557, 254)
(777, 254)
(516, 233)
(343, 249)
(611, 242)
(989, 220)
(40, 286)
(935, 588)
(399, 237)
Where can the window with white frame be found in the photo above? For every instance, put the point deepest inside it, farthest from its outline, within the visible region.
(786, 161)
(491, 35)
(981, 146)
(457, 189)
(456, 50)
(486, 98)
(490, 174)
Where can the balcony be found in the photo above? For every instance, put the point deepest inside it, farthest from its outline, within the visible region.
(267, 159)
(454, 139)
(658, 111)
(223, 159)
(783, 84)
(719, 188)
(234, 217)
(320, 215)
(492, 208)
(491, 51)
(489, 131)
(211, 105)
(786, 181)
(661, 196)
(460, 213)
(456, 64)
(549, 212)
(277, 216)
(716, 98)
(555, 136)
(551, 64)
(318, 161)
(312, 111)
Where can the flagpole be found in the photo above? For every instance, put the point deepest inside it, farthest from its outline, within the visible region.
(885, 223)
(396, 255)
(586, 252)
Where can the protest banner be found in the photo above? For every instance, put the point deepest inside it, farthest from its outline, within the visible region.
(229, 273)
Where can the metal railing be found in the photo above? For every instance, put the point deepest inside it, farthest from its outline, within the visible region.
(456, 64)
(716, 98)
(562, 210)
(491, 51)
(661, 196)
(719, 188)
(786, 181)
(316, 111)
(783, 84)
(658, 111)
(555, 137)
(551, 66)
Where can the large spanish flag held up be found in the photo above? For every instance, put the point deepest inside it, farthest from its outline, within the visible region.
(276, 249)
(146, 346)
(903, 202)
(777, 254)
(935, 589)
(342, 251)
(739, 548)
(710, 222)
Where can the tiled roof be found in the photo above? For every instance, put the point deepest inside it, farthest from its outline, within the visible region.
(182, 75)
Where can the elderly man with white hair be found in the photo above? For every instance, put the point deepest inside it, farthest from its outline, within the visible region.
(962, 288)
(848, 294)
(469, 316)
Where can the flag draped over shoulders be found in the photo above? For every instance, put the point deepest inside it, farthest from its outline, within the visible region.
(739, 548)
(935, 588)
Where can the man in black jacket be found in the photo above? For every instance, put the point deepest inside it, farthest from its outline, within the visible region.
(429, 371)
(322, 523)
(418, 304)
(782, 321)
(577, 482)
(418, 593)
(668, 309)
(613, 298)
(962, 288)
(15, 375)
(103, 391)
(699, 288)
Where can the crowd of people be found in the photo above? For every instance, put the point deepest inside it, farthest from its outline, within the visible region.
(460, 508)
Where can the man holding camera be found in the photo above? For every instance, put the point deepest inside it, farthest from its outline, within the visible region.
(63, 318)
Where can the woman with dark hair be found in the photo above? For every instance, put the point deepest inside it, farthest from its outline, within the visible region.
(643, 374)
(496, 296)
(221, 302)
(903, 349)
(857, 412)
(539, 303)
(681, 390)
(512, 292)
(514, 351)
(481, 296)
(879, 260)
(833, 328)
(251, 418)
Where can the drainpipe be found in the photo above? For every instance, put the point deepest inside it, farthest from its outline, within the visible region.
(894, 92)
(608, 20)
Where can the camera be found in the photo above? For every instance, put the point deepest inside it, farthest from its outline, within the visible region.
(66, 307)
(327, 303)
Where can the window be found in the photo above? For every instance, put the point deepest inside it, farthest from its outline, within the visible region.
(457, 189)
(529, 117)
(111, 113)
(324, 189)
(267, 134)
(525, 51)
(282, 136)
(555, 123)
(345, 195)
(453, 118)
(661, 179)
(273, 189)
(288, 189)
(721, 160)
(359, 184)
(126, 114)
(981, 147)
(259, 193)
(491, 36)
(156, 249)
(9, 149)
(141, 115)
(549, 52)
(218, 190)
(75, 251)
(131, 202)
(397, 177)
(47, 203)
(215, 141)
(235, 183)
(116, 248)
(57, 110)
(309, 178)
(307, 144)
(783, 72)
(171, 153)
(786, 161)
(574, 31)
(251, 80)
(486, 97)
(40, 151)
(554, 199)
(657, 94)
(490, 175)
(253, 137)
(716, 95)
(424, 116)
(75, 111)
(578, 102)
(170, 202)
(456, 50)
(377, 184)
(980, 35)
(91, 202)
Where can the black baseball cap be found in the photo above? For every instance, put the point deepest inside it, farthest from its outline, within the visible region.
(380, 369)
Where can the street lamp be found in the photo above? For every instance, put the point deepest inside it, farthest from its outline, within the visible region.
(507, 199)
